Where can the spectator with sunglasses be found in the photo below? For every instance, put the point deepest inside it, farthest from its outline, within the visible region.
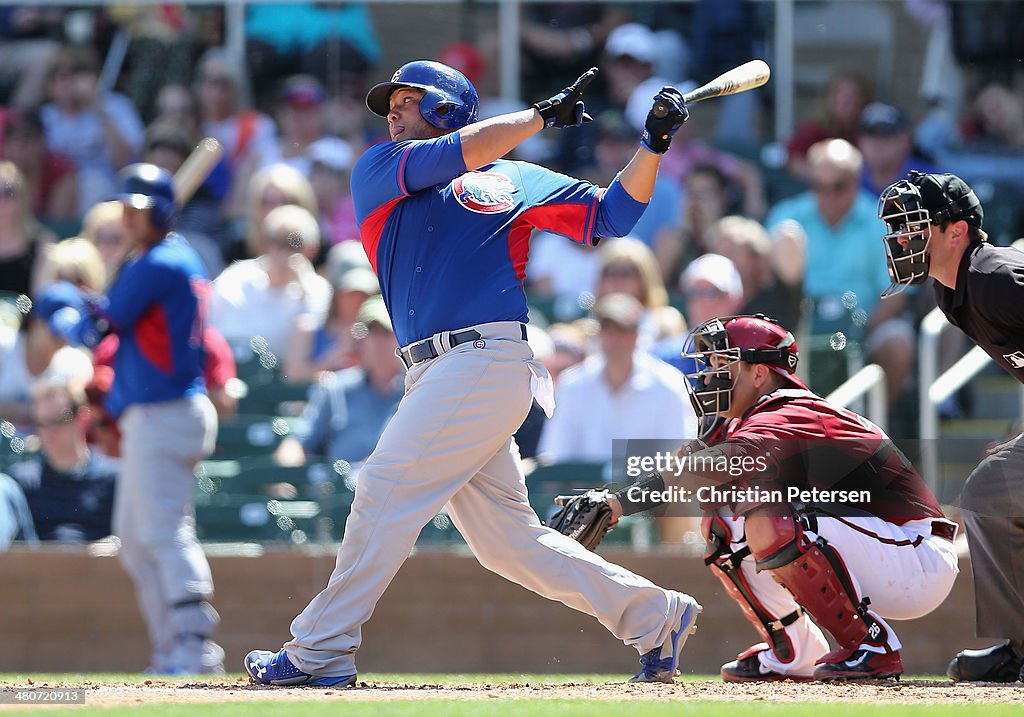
(70, 488)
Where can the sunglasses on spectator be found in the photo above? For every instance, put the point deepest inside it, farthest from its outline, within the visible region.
(217, 80)
(612, 325)
(292, 241)
(707, 293)
(111, 238)
(275, 200)
(621, 272)
(69, 70)
(63, 419)
(838, 187)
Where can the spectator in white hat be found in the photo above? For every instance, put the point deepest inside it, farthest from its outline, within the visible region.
(712, 287)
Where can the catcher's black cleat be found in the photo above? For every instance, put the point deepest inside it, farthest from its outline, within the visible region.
(747, 667)
(999, 663)
(861, 665)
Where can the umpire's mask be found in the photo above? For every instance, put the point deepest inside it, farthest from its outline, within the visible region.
(908, 235)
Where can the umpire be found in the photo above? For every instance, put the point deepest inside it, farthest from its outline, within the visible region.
(934, 229)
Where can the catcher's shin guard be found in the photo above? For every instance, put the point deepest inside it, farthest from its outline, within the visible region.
(726, 565)
(814, 572)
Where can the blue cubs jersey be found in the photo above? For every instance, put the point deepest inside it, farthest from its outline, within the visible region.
(157, 307)
(450, 247)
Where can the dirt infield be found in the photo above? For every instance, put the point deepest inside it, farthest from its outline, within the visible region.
(238, 690)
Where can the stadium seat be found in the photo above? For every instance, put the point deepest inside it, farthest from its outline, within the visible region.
(547, 481)
(257, 518)
(251, 434)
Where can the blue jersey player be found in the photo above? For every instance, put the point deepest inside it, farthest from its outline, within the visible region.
(156, 306)
(446, 224)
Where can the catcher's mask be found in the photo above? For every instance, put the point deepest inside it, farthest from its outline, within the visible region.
(909, 208)
(719, 343)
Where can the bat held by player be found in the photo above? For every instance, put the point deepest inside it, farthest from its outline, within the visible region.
(739, 79)
(195, 169)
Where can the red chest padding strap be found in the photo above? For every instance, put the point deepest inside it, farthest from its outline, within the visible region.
(814, 572)
(726, 566)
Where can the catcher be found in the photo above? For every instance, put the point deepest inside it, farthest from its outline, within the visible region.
(834, 523)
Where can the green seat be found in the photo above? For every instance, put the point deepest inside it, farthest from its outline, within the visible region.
(548, 481)
(242, 517)
(272, 396)
(251, 434)
(440, 531)
(253, 474)
(827, 366)
(63, 228)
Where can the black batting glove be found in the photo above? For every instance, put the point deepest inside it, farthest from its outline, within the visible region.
(664, 120)
(566, 108)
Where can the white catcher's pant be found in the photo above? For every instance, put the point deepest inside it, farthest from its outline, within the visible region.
(449, 443)
(902, 581)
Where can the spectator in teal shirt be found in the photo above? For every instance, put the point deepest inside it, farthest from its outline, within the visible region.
(841, 276)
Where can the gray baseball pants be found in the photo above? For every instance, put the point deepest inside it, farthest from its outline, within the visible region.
(449, 444)
(154, 517)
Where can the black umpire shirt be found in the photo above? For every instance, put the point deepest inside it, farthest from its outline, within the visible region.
(988, 303)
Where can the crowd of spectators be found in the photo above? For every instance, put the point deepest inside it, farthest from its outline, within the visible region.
(275, 226)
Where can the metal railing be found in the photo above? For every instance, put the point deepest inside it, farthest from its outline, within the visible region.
(869, 381)
(933, 388)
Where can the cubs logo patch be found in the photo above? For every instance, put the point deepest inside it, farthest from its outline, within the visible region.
(479, 344)
(484, 192)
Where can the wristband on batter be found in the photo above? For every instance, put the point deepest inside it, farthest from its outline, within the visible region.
(640, 496)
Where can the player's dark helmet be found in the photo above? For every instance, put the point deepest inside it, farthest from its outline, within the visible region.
(147, 186)
(718, 343)
(909, 208)
(450, 101)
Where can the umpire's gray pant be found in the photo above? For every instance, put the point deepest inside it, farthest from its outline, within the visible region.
(993, 508)
(154, 516)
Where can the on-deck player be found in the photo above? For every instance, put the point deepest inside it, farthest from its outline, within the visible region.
(446, 225)
(156, 305)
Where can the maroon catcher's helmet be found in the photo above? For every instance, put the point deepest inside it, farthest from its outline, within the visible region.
(719, 343)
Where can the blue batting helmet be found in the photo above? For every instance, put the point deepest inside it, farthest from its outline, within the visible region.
(147, 186)
(450, 101)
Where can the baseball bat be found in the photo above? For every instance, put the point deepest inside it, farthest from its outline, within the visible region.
(739, 79)
(194, 170)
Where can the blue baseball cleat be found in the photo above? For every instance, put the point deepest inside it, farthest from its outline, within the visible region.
(274, 668)
(654, 667)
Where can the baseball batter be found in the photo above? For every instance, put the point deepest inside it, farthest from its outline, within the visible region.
(446, 225)
(155, 305)
(793, 535)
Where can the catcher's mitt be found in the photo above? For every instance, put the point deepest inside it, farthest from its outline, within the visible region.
(585, 518)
